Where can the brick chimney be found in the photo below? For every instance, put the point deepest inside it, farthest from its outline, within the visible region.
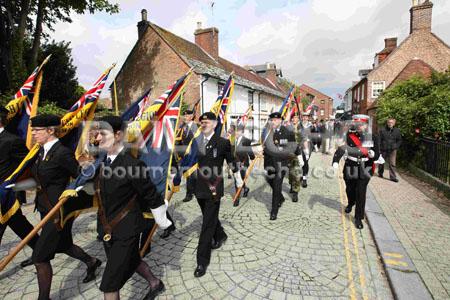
(271, 72)
(390, 43)
(143, 24)
(421, 14)
(208, 40)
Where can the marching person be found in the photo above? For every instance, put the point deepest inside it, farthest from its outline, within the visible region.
(52, 170)
(213, 150)
(359, 153)
(12, 152)
(189, 128)
(305, 126)
(124, 191)
(390, 141)
(242, 152)
(294, 163)
(279, 148)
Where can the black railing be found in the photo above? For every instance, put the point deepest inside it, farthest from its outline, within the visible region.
(434, 158)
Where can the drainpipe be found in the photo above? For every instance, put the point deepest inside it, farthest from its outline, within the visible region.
(206, 76)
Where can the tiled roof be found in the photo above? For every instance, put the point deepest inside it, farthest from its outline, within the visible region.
(196, 57)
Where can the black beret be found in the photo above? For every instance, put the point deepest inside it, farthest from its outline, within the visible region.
(188, 112)
(275, 115)
(3, 110)
(208, 116)
(45, 120)
(115, 123)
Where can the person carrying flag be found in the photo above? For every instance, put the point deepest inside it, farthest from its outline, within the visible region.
(189, 128)
(360, 154)
(212, 151)
(124, 192)
(243, 153)
(12, 152)
(294, 163)
(52, 170)
(305, 128)
(279, 148)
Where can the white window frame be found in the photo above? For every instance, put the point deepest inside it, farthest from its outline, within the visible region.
(383, 83)
(363, 94)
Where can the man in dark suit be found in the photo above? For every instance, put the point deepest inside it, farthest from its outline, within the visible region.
(12, 152)
(242, 152)
(189, 128)
(52, 170)
(125, 191)
(390, 141)
(279, 147)
(213, 150)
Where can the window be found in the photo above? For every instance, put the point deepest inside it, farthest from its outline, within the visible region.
(377, 88)
(250, 98)
(322, 112)
(322, 101)
(220, 88)
(363, 94)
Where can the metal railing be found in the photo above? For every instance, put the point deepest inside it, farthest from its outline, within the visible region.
(434, 158)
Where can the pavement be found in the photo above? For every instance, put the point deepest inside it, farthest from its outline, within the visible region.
(312, 251)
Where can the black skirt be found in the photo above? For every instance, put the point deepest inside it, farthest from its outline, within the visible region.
(52, 241)
(123, 258)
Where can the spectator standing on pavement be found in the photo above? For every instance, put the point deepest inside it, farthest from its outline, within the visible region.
(390, 140)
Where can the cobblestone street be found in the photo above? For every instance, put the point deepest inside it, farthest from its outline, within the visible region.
(312, 250)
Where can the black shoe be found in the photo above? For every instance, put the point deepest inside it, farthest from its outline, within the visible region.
(236, 203)
(168, 231)
(218, 244)
(200, 271)
(394, 179)
(294, 197)
(188, 198)
(273, 216)
(304, 183)
(229, 176)
(348, 209)
(26, 263)
(358, 224)
(380, 175)
(246, 190)
(291, 190)
(91, 271)
(155, 291)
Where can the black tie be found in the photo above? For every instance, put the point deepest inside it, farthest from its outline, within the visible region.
(108, 161)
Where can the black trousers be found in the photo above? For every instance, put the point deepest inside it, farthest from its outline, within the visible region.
(275, 180)
(356, 193)
(21, 226)
(191, 181)
(211, 229)
(305, 167)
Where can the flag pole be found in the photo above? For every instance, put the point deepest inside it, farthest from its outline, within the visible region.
(247, 175)
(5, 261)
(115, 98)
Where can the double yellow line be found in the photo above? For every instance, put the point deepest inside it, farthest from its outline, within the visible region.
(345, 227)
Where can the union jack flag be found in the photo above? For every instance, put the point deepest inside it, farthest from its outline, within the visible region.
(92, 94)
(242, 120)
(165, 127)
(287, 103)
(137, 108)
(27, 89)
(220, 107)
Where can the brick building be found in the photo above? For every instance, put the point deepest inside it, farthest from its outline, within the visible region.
(419, 54)
(159, 57)
(323, 102)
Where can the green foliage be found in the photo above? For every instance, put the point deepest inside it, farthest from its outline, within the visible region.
(418, 104)
(50, 108)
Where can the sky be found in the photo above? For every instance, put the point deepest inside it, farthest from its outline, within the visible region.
(321, 43)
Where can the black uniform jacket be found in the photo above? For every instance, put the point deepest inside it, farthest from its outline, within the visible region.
(351, 167)
(210, 165)
(12, 152)
(243, 151)
(280, 146)
(119, 183)
(53, 174)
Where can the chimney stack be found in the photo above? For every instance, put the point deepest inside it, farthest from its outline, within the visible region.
(390, 43)
(421, 15)
(208, 40)
(271, 72)
(143, 24)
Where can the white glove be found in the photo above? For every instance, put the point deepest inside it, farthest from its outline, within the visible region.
(380, 160)
(238, 178)
(371, 154)
(336, 165)
(24, 185)
(257, 150)
(160, 216)
(307, 156)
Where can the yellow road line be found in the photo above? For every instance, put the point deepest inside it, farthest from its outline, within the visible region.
(346, 246)
(392, 254)
(394, 262)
